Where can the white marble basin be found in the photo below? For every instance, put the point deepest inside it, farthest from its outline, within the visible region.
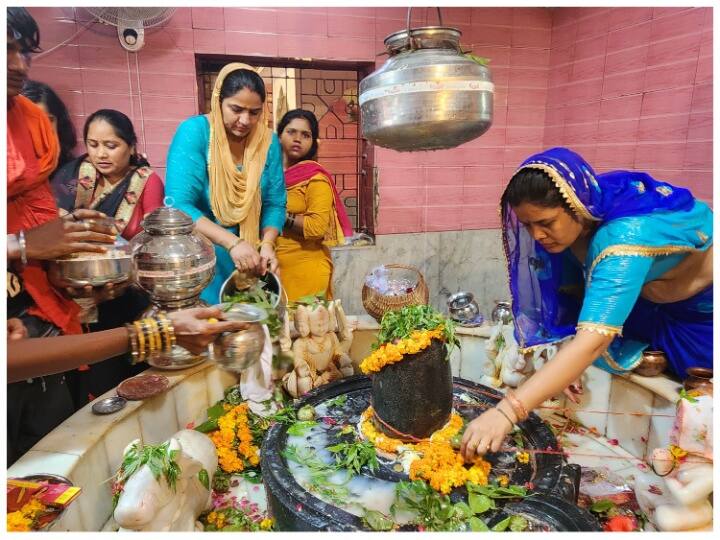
(87, 448)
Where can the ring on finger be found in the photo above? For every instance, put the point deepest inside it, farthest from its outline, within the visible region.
(86, 225)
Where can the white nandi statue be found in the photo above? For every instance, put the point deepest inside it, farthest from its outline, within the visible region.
(148, 503)
(678, 501)
(511, 367)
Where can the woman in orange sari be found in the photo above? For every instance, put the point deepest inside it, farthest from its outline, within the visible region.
(316, 218)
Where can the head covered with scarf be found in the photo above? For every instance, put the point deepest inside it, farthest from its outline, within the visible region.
(235, 195)
(542, 283)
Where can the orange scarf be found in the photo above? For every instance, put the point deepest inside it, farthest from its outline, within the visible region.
(30, 202)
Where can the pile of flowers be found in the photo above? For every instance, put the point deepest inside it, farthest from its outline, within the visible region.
(438, 463)
(230, 514)
(26, 518)
(234, 440)
(390, 353)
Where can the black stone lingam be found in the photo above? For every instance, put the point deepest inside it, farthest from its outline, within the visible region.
(549, 478)
(414, 397)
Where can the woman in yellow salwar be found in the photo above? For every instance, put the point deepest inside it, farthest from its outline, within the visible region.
(316, 218)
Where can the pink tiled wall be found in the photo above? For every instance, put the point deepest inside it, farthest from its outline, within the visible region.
(532, 50)
(632, 88)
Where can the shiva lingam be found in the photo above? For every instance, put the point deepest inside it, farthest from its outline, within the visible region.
(173, 264)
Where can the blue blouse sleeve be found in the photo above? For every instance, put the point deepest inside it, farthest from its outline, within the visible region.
(611, 290)
(186, 175)
(272, 187)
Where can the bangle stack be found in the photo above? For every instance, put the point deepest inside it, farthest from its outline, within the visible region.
(516, 405)
(149, 336)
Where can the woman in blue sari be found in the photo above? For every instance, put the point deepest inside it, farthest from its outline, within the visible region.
(225, 170)
(613, 264)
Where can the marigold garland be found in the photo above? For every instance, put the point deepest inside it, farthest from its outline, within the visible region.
(439, 464)
(24, 519)
(234, 441)
(391, 353)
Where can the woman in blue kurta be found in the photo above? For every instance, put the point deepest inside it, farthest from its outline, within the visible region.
(613, 264)
(225, 170)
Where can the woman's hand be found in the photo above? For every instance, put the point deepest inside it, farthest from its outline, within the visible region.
(484, 434)
(69, 234)
(245, 257)
(109, 291)
(16, 330)
(268, 259)
(196, 328)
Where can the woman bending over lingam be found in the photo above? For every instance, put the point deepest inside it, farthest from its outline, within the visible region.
(613, 263)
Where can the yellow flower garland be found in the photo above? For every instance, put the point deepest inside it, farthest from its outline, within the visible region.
(234, 441)
(23, 520)
(391, 353)
(440, 465)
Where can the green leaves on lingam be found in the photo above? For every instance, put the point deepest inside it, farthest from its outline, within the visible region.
(400, 324)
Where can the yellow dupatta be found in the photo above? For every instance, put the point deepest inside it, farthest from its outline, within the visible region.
(235, 196)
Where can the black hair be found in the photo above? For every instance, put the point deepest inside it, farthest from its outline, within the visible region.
(239, 79)
(41, 93)
(123, 129)
(314, 128)
(23, 28)
(533, 186)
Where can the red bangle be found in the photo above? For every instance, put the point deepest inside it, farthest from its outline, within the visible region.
(517, 406)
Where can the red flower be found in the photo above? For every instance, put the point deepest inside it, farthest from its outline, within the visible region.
(619, 524)
(190, 425)
(613, 442)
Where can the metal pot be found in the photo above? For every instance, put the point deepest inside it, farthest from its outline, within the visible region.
(95, 269)
(653, 363)
(429, 95)
(171, 261)
(502, 313)
(238, 281)
(237, 351)
(700, 379)
(463, 307)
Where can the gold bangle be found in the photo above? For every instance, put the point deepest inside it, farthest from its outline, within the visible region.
(132, 336)
(269, 242)
(168, 331)
(155, 332)
(233, 244)
(149, 336)
(141, 340)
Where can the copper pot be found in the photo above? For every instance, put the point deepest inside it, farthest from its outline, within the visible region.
(699, 379)
(653, 363)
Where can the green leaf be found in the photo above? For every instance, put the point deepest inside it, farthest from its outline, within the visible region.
(204, 478)
(477, 524)
(687, 397)
(479, 504)
(477, 59)
(207, 426)
(216, 411)
(463, 510)
(501, 525)
(301, 428)
(378, 521)
(602, 505)
(338, 401)
(518, 523)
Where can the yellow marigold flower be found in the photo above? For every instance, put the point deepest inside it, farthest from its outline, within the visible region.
(16, 522)
(522, 457)
(266, 524)
(503, 480)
